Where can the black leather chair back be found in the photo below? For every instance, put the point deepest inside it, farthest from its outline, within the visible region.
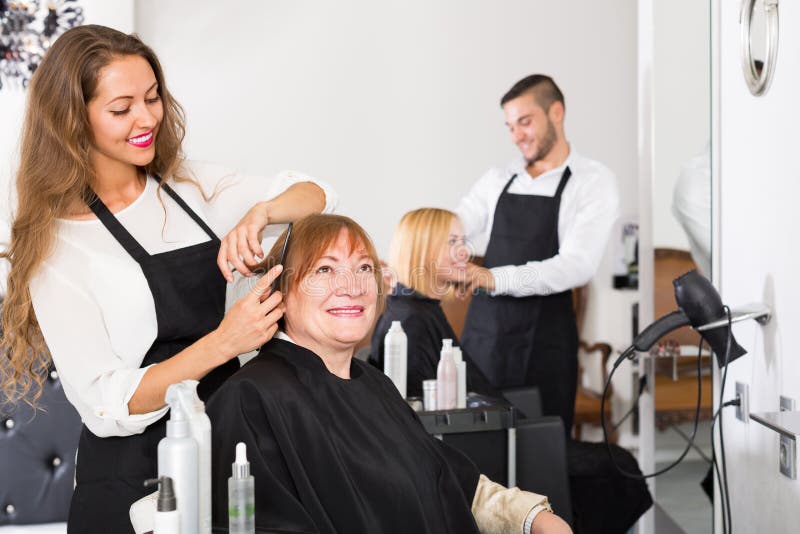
(37, 458)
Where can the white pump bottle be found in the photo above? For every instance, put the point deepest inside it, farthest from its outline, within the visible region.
(395, 357)
(178, 459)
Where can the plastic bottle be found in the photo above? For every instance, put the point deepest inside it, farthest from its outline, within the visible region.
(167, 518)
(446, 378)
(200, 427)
(241, 495)
(178, 459)
(395, 357)
(461, 382)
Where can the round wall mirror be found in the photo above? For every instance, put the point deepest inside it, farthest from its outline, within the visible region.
(759, 24)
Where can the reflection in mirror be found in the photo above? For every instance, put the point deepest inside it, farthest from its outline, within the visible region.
(681, 204)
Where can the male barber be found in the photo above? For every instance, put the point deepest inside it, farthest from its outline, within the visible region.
(548, 216)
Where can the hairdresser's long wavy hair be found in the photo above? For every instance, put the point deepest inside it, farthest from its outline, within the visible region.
(55, 179)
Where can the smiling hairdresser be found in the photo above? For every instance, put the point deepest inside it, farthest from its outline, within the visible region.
(117, 271)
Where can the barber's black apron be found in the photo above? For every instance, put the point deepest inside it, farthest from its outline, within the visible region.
(189, 296)
(526, 341)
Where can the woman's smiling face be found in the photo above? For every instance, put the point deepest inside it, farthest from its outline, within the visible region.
(334, 305)
(124, 114)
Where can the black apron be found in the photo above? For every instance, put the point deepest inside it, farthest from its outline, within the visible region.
(526, 341)
(189, 296)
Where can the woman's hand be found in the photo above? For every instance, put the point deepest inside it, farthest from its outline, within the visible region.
(252, 320)
(549, 523)
(242, 244)
(468, 279)
(479, 278)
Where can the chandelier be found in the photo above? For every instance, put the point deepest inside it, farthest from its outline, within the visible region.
(27, 29)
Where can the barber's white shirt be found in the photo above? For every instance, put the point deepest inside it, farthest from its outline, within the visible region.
(589, 208)
(93, 302)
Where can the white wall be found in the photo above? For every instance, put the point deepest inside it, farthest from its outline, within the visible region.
(758, 180)
(397, 105)
(117, 14)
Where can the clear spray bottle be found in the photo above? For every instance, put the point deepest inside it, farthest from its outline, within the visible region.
(241, 495)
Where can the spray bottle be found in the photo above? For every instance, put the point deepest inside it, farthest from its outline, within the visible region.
(178, 459)
(200, 427)
(241, 495)
(446, 378)
(395, 357)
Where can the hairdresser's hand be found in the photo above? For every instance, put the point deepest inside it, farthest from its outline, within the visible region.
(252, 320)
(549, 523)
(241, 246)
(471, 278)
(455, 276)
(479, 278)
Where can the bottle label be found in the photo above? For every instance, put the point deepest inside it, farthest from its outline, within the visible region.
(242, 517)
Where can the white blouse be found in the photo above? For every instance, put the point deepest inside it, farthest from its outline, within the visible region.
(93, 302)
(589, 208)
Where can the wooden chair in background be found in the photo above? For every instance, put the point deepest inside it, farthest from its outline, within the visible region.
(587, 401)
(676, 378)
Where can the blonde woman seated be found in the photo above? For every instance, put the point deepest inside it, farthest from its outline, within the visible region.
(426, 256)
(332, 445)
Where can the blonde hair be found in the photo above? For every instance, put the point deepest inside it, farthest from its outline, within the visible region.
(55, 177)
(415, 248)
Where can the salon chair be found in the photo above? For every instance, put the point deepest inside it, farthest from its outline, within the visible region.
(37, 448)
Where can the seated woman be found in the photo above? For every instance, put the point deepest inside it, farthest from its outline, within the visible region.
(426, 255)
(331, 444)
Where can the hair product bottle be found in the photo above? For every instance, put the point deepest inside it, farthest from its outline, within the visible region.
(241, 495)
(178, 458)
(446, 378)
(461, 369)
(167, 518)
(200, 427)
(395, 357)
(429, 395)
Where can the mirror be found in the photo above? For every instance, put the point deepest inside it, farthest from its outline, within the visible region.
(759, 26)
(681, 224)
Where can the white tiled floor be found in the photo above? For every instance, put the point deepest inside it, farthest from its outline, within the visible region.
(678, 491)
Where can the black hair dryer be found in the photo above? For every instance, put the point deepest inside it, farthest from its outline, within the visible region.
(700, 306)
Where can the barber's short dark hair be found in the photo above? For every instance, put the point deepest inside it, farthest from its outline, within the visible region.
(543, 88)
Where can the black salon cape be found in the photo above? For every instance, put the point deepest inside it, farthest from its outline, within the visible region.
(332, 455)
(425, 326)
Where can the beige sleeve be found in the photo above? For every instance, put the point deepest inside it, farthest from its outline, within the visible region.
(500, 510)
